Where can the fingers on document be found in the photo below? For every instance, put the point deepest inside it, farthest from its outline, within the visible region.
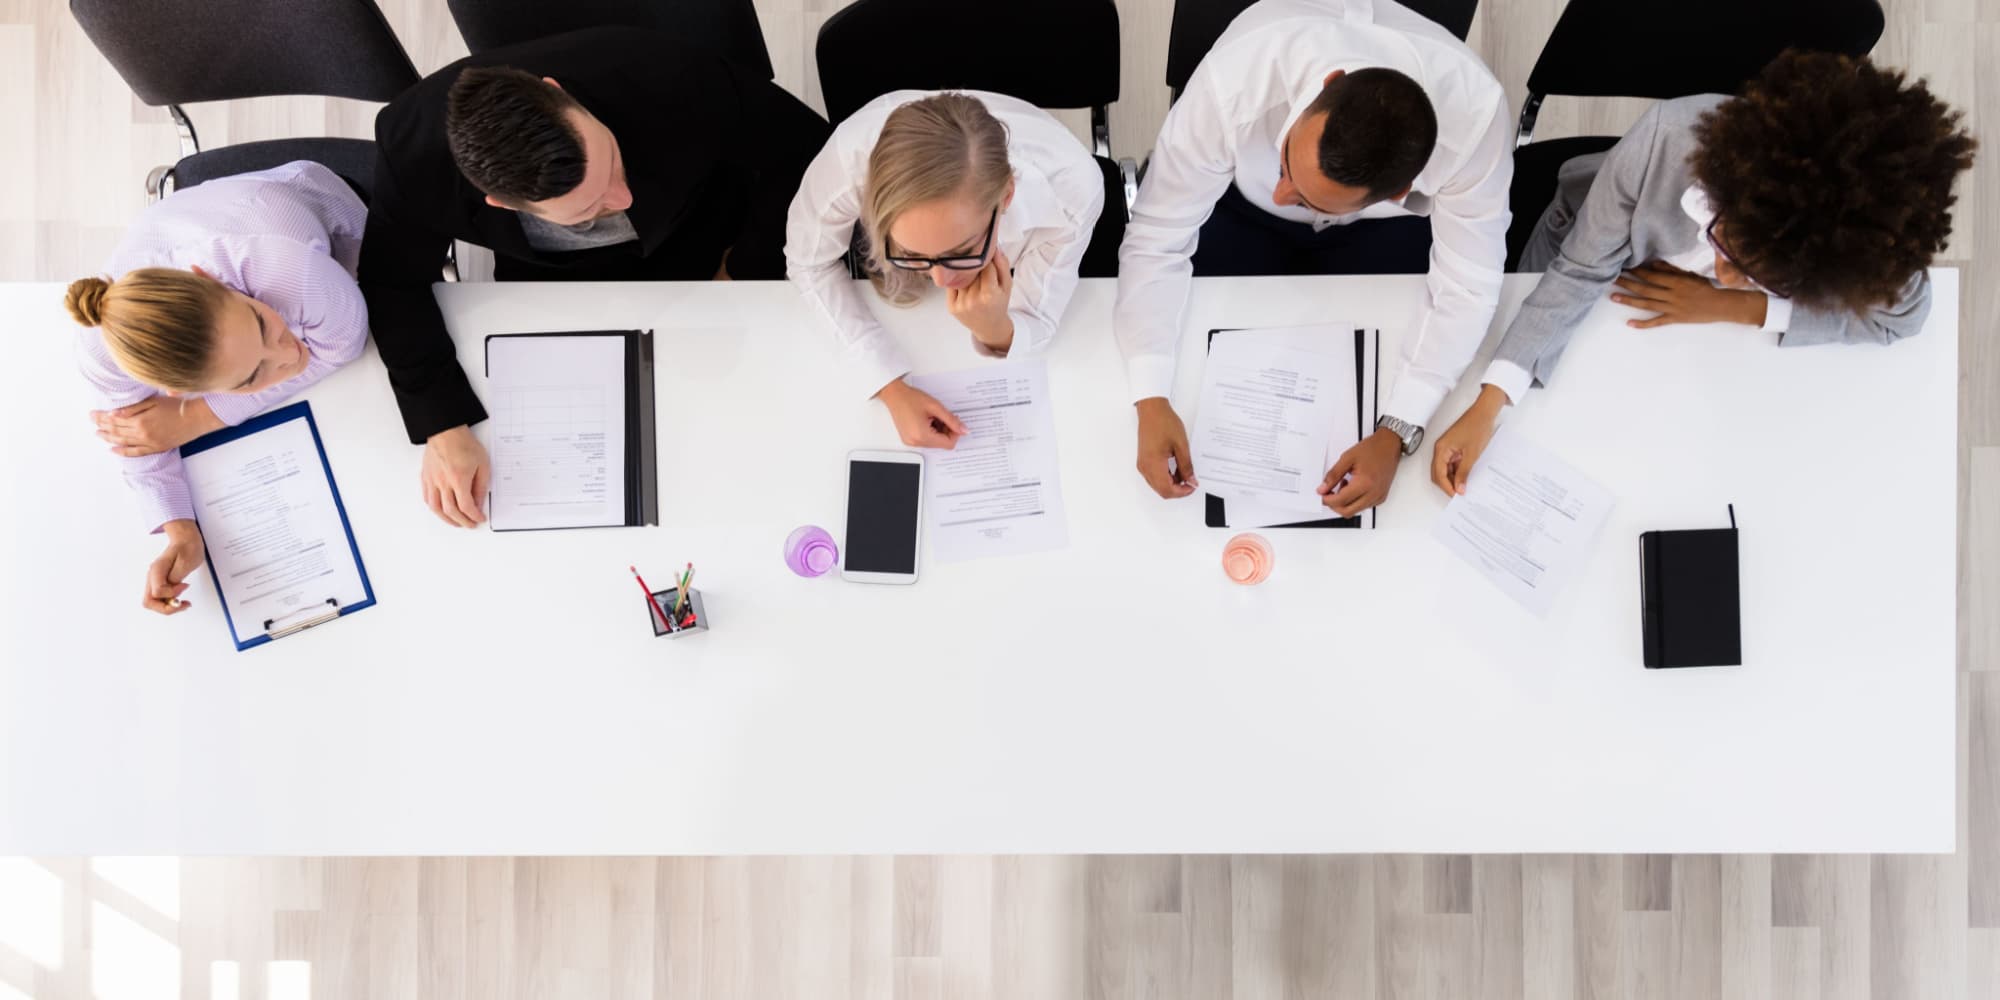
(948, 419)
(1346, 493)
(467, 501)
(1444, 462)
(1183, 470)
(935, 435)
(1341, 467)
(1353, 498)
(463, 505)
(1461, 472)
(1170, 471)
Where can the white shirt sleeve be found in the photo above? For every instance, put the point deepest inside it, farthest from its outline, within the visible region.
(1194, 162)
(818, 230)
(1045, 277)
(1777, 314)
(1468, 258)
(1509, 378)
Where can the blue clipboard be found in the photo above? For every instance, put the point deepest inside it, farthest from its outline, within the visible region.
(284, 414)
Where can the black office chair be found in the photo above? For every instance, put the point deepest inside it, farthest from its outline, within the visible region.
(730, 26)
(175, 52)
(1050, 53)
(1198, 23)
(1704, 47)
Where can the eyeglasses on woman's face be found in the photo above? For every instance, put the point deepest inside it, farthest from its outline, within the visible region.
(953, 262)
(1722, 254)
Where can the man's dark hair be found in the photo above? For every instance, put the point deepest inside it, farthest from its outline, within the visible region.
(1380, 130)
(511, 136)
(1831, 178)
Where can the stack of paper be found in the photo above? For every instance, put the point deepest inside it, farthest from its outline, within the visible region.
(557, 434)
(996, 491)
(1277, 407)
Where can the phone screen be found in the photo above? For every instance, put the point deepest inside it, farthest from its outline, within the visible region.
(882, 517)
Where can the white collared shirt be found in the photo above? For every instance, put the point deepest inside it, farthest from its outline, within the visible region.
(1058, 192)
(1229, 125)
(1515, 380)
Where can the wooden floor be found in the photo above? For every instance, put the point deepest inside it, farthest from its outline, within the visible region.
(1536, 928)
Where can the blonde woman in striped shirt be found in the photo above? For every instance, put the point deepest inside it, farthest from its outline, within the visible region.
(223, 300)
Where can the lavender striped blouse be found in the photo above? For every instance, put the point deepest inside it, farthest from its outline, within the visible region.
(289, 237)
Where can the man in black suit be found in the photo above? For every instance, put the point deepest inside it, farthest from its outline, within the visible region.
(598, 155)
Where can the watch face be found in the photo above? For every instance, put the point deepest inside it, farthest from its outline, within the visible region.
(1416, 441)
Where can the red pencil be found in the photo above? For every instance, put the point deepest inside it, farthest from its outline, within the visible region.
(650, 599)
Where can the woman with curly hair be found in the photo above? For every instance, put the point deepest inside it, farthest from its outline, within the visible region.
(1809, 207)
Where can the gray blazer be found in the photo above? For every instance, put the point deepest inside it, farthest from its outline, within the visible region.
(1621, 208)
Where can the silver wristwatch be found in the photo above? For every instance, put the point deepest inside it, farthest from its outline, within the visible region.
(1411, 434)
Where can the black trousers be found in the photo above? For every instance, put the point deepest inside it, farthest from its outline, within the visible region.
(1240, 238)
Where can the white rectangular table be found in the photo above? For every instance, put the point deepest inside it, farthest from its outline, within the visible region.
(1119, 695)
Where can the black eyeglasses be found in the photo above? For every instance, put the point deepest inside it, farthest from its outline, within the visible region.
(1723, 253)
(972, 263)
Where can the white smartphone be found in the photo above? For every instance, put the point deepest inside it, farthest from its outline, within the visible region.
(885, 516)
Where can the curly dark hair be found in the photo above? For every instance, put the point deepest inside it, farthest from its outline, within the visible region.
(1832, 178)
(510, 135)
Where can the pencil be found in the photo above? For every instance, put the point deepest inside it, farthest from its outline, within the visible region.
(680, 598)
(650, 599)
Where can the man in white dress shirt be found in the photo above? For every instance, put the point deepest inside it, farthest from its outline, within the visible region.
(1347, 125)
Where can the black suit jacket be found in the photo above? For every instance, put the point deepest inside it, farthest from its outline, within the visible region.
(713, 156)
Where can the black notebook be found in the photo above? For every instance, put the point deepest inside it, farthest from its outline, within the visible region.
(1367, 382)
(571, 430)
(1690, 597)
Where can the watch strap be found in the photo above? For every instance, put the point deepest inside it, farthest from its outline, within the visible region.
(1409, 434)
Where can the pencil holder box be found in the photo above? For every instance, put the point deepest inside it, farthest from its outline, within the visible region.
(666, 599)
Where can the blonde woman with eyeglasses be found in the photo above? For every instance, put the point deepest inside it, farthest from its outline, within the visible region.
(982, 196)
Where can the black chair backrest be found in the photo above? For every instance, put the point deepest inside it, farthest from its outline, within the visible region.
(1198, 23)
(729, 25)
(1696, 47)
(352, 159)
(185, 51)
(1050, 53)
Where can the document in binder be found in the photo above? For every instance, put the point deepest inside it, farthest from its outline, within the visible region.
(279, 547)
(571, 432)
(1336, 337)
